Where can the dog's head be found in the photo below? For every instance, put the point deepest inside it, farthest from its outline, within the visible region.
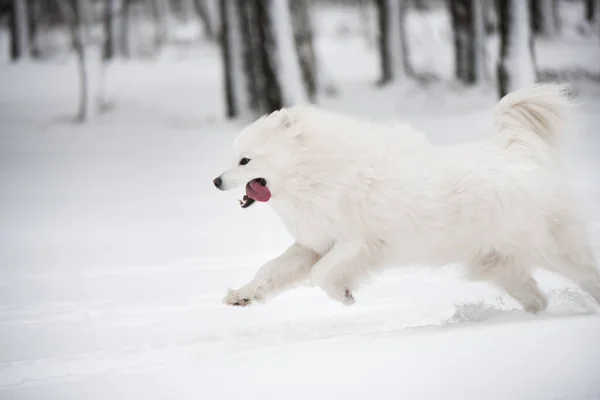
(264, 154)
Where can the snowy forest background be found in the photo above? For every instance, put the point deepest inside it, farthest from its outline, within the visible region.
(116, 249)
(269, 51)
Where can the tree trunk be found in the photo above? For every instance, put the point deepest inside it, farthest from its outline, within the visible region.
(238, 103)
(212, 10)
(35, 16)
(253, 63)
(556, 16)
(463, 25)
(364, 8)
(204, 12)
(545, 17)
(392, 41)
(124, 31)
(403, 55)
(468, 25)
(422, 5)
(479, 12)
(85, 103)
(19, 28)
(516, 68)
(287, 62)
(86, 17)
(15, 49)
(160, 10)
(225, 39)
(108, 48)
(260, 52)
(490, 11)
(304, 46)
(82, 35)
(383, 17)
(592, 9)
(271, 91)
(189, 9)
(75, 21)
(303, 37)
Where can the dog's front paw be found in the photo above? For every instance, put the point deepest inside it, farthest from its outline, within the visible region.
(237, 298)
(344, 296)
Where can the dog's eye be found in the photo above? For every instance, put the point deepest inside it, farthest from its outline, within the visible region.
(244, 161)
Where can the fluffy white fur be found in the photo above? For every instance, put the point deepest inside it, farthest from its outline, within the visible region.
(358, 196)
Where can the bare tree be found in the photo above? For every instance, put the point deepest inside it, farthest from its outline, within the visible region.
(463, 26)
(516, 67)
(73, 14)
(124, 29)
(187, 9)
(422, 5)
(490, 12)
(592, 9)
(469, 40)
(160, 10)
(234, 50)
(35, 11)
(479, 31)
(109, 48)
(206, 12)
(393, 48)
(19, 30)
(86, 16)
(109, 45)
(260, 55)
(545, 17)
(285, 53)
(364, 10)
(303, 36)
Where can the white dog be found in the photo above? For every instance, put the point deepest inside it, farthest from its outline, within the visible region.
(358, 196)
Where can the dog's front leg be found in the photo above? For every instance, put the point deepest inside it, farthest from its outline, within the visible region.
(337, 272)
(279, 274)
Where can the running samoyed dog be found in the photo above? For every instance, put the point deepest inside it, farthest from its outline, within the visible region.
(358, 196)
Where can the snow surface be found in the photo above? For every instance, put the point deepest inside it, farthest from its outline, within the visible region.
(116, 251)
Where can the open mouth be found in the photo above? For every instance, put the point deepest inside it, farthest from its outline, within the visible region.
(256, 190)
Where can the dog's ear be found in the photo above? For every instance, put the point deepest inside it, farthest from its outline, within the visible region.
(288, 121)
(285, 118)
(284, 122)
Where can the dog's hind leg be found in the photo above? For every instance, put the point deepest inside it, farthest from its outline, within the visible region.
(279, 274)
(571, 255)
(505, 271)
(339, 270)
(581, 269)
(526, 292)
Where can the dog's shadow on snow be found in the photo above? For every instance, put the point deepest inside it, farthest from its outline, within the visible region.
(562, 303)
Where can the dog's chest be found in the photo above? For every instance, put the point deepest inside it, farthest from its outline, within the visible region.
(308, 227)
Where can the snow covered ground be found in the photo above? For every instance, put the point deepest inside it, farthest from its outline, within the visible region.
(115, 252)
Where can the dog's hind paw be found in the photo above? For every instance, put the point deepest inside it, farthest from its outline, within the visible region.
(348, 298)
(235, 298)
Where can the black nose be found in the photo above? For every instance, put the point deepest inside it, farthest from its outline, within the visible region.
(218, 182)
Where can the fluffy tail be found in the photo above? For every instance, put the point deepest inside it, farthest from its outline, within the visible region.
(542, 109)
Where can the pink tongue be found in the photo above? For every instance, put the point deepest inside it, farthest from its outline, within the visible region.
(258, 192)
